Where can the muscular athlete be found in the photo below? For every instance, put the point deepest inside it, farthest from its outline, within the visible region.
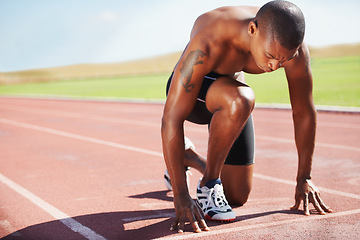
(207, 86)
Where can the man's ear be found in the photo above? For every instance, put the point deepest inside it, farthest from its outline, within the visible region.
(252, 28)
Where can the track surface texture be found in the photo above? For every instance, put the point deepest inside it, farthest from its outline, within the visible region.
(94, 170)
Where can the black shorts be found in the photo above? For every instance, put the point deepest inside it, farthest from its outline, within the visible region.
(242, 151)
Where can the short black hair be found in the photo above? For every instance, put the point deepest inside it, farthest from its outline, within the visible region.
(283, 21)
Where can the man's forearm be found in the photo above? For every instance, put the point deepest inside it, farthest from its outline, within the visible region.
(173, 150)
(305, 128)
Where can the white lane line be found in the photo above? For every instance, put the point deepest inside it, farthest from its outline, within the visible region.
(53, 211)
(149, 152)
(317, 144)
(320, 123)
(192, 129)
(9, 229)
(81, 116)
(329, 145)
(261, 225)
(293, 183)
(79, 137)
(338, 125)
(258, 119)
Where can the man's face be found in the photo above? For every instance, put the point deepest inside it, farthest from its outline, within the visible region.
(268, 54)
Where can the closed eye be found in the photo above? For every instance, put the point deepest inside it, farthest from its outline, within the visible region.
(268, 55)
(290, 58)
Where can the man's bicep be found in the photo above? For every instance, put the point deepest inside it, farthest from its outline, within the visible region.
(194, 64)
(190, 68)
(186, 81)
(179, 103)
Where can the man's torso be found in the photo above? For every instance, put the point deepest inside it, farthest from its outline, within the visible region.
(223, 31)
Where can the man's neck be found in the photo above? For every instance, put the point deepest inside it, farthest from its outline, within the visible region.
(242, 42)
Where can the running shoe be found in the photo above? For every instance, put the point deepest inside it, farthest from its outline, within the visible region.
(213, 203)
(167, 181)
(188, 144)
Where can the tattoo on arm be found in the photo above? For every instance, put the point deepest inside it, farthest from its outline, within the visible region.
(187, 69)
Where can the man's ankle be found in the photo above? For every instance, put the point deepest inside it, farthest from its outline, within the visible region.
(210, 183)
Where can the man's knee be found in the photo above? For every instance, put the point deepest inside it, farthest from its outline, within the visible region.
(237, 182)
(237, 199)
(242, 103)
(237, 195)
(235, 97)
(246, 99)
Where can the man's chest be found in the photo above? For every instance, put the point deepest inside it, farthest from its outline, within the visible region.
(232, 61)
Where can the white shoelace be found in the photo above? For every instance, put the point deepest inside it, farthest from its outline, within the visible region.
(219, 198)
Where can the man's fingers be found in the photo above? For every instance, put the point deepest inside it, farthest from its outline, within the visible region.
(178, 224)
(200, 217)
(297, 204)
(196, 227)
(306, 205)
(295, 207)
(194, 222)
(322, 204)
(196, 217)
(317, 205)
(203, 225)
(308, 193)
(175, 224)
(181, 224)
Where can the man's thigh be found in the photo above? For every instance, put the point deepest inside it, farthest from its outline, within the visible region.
(237, 182)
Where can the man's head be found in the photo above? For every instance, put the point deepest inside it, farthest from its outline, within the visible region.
(282, 21)
(276, 32)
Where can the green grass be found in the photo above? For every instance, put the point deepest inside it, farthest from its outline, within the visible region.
(336, 82)
(146, 86)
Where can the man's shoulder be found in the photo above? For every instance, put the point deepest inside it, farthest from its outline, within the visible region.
(302, 57)
(222, 22)
(232, 12)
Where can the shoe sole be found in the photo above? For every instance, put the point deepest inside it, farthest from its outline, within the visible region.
(207, 217)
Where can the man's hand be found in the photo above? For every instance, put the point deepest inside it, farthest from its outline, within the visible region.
(306, 191)
(186, 208)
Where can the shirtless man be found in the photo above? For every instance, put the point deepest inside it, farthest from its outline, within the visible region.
(207, 87)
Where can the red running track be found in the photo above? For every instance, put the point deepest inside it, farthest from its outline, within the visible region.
(93, 170)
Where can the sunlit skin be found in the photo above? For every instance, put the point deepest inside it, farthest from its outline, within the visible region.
(274, 56)
(228, 41)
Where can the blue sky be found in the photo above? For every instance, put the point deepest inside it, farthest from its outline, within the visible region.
(39, 34)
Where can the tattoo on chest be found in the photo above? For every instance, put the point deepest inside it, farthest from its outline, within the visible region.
(187, 68)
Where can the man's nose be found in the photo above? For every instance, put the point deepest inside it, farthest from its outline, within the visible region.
(274, 64)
